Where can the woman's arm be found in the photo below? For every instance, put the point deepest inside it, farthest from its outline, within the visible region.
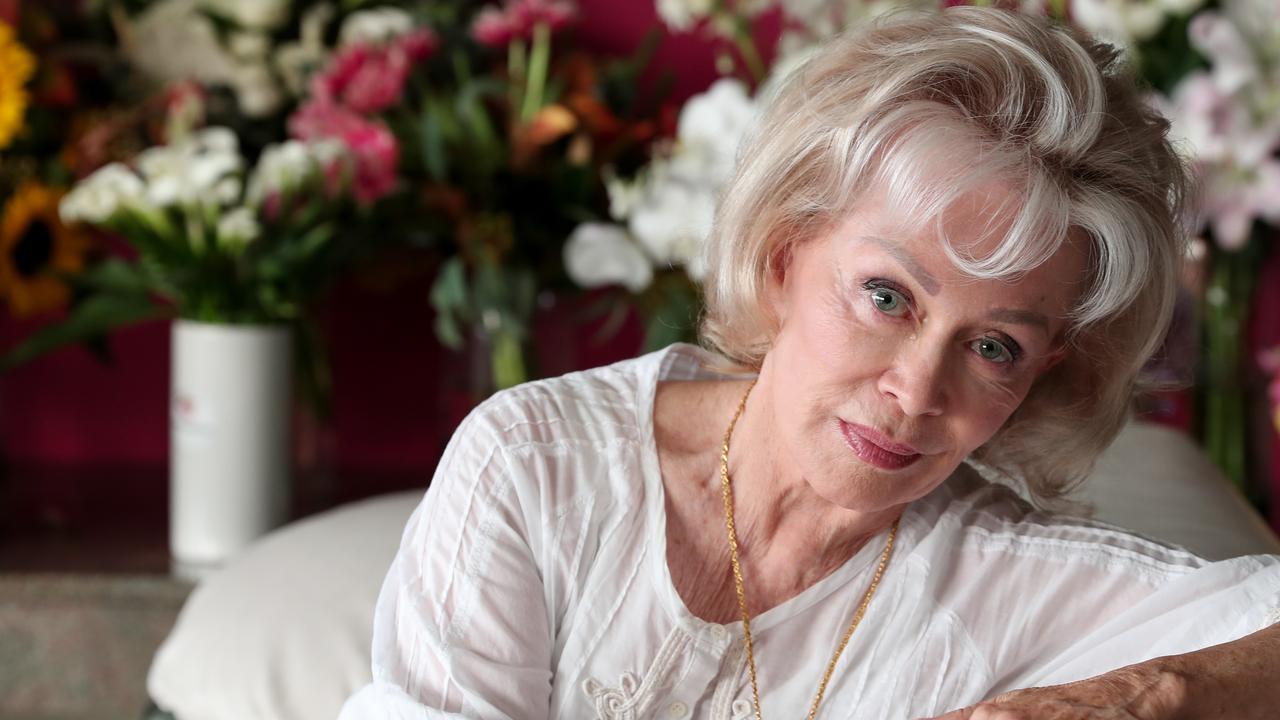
(461, 628)
(1238, 680)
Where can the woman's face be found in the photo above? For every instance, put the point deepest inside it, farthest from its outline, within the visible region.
(891, 366)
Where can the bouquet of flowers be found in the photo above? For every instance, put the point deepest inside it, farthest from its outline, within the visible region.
(479, 130)
(215, 242)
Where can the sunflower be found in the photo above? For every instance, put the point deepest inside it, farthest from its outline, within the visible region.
(16, 66)
(33, 241)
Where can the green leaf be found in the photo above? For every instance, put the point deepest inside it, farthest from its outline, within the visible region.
(447, 331)
(508, 360)
(449, 300)
(118, 276)
(93, 317)
(492, 287)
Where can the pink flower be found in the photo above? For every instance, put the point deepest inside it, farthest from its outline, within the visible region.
(555, 13)
(374, 147)
(493, 27)
(497, 27)
(369, 79)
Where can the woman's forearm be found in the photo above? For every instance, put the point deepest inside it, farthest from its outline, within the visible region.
(1239, 680)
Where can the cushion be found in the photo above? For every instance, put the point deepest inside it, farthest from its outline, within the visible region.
(284, 631)
(1156, 481)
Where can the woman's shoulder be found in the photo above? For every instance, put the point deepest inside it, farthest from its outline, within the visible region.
(971, 514)
(600, 403)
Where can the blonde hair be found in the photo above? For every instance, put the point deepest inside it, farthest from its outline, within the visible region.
(928, 107)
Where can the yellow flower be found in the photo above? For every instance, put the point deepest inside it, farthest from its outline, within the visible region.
(16, 67)
(33, 240)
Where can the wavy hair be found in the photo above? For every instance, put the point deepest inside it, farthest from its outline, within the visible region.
(927, 106)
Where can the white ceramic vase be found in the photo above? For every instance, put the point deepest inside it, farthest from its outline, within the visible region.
(229, 439)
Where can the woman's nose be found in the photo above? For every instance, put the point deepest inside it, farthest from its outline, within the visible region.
(914, 378)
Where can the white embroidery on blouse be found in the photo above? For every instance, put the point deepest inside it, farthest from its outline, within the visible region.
(723, 706)
(632, 698)
(614, 703)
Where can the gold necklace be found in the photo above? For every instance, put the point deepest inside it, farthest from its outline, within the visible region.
(737, 574)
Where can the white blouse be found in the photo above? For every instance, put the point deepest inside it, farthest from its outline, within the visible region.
(532, 582)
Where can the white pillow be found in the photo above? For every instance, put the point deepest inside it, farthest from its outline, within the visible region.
(283, 632)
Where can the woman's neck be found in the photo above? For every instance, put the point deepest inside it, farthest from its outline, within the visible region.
(789, 537)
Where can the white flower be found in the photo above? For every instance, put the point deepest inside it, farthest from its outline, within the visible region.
(215, 139)
(1229, 118)
(98, 197)
(624, 195)
(1126, 22)
(257, 91)
(681, 15)
(599, 254)
(227, 191)
(672, 222)
(710, 127)
(374, 27)
(671, 206)
(248, 46)
(281, 167)
(171, 42)
(1233, 200)
(190, 172)
(238, 227)
(252, 14)
(286, 166)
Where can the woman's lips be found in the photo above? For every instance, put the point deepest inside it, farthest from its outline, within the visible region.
(875, 449)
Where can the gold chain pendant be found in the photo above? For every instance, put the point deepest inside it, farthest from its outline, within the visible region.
(737, 574)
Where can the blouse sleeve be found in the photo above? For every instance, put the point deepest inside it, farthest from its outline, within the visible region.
(461, 627)
(1089, 600)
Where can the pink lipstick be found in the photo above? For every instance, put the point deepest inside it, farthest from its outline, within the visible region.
(875, 449)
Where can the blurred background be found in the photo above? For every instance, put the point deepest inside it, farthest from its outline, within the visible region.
(277, 249)
(438, 200)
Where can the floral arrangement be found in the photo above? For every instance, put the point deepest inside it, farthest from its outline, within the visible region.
(482, 124)
(215, 242)
(479, 131)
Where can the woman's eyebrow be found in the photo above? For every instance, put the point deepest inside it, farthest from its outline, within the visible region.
(905, 260)
(1021, 317)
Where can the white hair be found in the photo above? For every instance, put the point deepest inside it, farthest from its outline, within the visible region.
(927, 107)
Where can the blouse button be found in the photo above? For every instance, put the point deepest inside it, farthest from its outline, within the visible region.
(719, 632)
(677, 709)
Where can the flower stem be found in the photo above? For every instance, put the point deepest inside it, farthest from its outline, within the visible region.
(536, 81)
(516, 73)
(746, 44)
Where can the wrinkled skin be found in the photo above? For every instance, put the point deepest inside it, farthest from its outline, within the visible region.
(1238, 680)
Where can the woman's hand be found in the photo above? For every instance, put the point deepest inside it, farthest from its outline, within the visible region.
(1147, 691)
(1236, 680)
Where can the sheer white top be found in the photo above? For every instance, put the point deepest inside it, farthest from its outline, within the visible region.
(532, 582)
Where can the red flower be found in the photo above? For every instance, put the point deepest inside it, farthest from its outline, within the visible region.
(494, 28)
(497, 27)
(374, 147)
(370, 79)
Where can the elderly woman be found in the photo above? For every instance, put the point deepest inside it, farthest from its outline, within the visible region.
(951, 243)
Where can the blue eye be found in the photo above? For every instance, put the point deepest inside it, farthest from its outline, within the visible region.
(889, 302)
(993, 350)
